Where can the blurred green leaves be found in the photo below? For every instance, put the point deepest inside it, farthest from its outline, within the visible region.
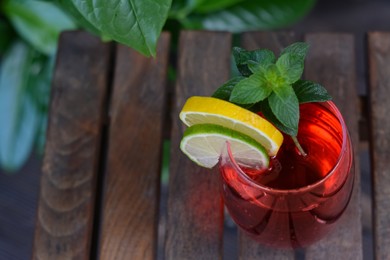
(38, 22)
(240, 15)
(7, 34)
(20, 76)
(29, 33)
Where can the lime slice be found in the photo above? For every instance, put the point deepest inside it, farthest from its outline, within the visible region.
(209, 110)
(204, 143)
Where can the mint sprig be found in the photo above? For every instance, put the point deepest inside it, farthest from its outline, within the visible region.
(251, 90)
(285, 106)
(242, 57)
(225, 90)
(273, 86)
(308, 91)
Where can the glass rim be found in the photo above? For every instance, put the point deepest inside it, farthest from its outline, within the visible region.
(345, 137)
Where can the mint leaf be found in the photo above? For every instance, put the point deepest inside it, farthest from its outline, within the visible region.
(290, 66)
(254, 66)
(263, 56)
(285, 106)
(242, 57)
(274, 76)
(291, 61)
(299, 48)
(269, 115)
(308, 91)
(251, 90)
(224, 91)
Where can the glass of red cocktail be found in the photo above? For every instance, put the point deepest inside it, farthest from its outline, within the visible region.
(298, 199)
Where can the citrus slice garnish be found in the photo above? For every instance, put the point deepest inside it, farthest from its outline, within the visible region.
(204, 144)
(209, 110)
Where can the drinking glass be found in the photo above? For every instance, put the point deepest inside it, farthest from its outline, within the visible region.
(294, 211)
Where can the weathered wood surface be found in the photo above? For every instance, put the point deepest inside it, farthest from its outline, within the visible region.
(131, 192)
(249, 249)
(379, 67)
(195, 210)
(70, 166)
(131, 159)
(332, 63)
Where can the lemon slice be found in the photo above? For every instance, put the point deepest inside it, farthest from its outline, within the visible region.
(204, 144)
(209, 110)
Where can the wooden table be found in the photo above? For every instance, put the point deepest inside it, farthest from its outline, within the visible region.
(111, 110)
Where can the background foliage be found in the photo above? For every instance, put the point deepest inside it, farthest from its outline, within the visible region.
(29, 32)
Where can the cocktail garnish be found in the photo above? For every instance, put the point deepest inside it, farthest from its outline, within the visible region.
(203, 144)
(273, 86)
(209, 110)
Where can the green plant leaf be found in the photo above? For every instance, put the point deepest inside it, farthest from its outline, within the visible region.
(136, 23)
(274, 76)
(269, 115)
(245, 60)
(291, 61)
(253, 15)
(70, 9)
(17, 109)
(298, 48)
(254, 66)
(39, 92)
(308, 91)
(285, 106)
(224, 91)
(251, 90)
(38, 22)
(180, 9)
(290, 66)
(207, 6)
(7, 35)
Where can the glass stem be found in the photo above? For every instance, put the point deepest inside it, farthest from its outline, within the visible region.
(298, 145)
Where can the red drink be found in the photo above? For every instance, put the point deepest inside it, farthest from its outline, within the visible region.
(298, 200)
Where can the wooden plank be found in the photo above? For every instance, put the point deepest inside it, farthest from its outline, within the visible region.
(274, 41)
(249, 249)
(331, 62)
(379, 66)
(195, 210)
(131, 197)
(66, 204)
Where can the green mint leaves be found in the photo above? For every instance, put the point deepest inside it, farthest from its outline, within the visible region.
(273, 86)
